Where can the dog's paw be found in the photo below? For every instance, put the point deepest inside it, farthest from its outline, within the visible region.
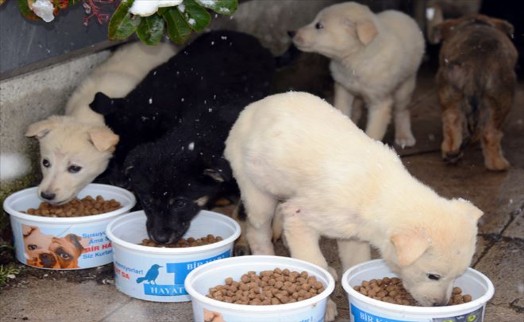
(331, 311)
(241, 250)
(497, 164)
(405, 141)
(452, 157)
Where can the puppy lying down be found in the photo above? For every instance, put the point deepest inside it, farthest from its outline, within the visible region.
(173, 126)
(330, 179)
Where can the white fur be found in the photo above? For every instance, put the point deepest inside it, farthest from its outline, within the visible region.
(13, 166)
(116, 77)
(374, 58)
(80, 139)
(330, 179)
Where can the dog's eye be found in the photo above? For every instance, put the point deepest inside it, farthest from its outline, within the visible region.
(74, 169)
(318, 25)
(434, 277)
(178, 203)
(46, 163)
(65, 256)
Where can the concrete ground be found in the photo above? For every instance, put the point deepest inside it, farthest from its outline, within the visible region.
(500, 252)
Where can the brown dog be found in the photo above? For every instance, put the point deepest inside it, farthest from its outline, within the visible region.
(43, 258)
(476, 85)
(68, 249)
(49, 251)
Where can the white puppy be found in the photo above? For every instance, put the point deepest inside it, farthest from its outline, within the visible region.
(332, 180)
(374, 58)
(76, 148)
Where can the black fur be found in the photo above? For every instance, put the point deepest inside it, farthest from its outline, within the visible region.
(173, 126)
(216, 68)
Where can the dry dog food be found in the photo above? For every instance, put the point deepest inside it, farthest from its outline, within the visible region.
(391, 290)
(189, 242)
(86, 206)
(279, 286)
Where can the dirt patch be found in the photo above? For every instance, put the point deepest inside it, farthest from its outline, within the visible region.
(101, 274)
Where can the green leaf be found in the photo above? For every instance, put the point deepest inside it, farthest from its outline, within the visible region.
(151, 29)
(122, 23)
(223, 7)
(24, 9)
(196, 16)
(178, 28)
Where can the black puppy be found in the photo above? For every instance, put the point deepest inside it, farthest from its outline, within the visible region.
(197, 95)
(183, 172)
(217, 67)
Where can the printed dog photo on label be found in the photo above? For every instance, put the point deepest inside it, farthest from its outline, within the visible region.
(48, 251)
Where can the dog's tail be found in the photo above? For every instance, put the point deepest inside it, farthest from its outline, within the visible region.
(472, 113)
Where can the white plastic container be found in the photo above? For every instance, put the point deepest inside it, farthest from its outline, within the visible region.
(65, 243)
(365, 309)
(157, 273)
(201, 279)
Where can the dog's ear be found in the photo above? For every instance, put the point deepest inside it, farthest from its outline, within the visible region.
(214, 174)
(366, 31)
(503, 26)
(42, 128)
(77, 241)
(104, 105)
(220, 171)
(410, 245)
(443, 30)
(467, 208)
(103, 138)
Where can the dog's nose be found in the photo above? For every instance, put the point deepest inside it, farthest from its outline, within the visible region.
(291, 33)
(161, 237)
(47, 195)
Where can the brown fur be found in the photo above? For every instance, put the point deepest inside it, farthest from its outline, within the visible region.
(68, 249)
(476, 85)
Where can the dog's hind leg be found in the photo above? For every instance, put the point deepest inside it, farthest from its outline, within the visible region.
(302, 240)
(403, 135)
(260, 209)
(491, 135)
(352, 252)
(452, 124)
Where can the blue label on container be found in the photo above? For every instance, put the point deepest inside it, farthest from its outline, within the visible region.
(178, 271)
(362, 316)
(475, 316)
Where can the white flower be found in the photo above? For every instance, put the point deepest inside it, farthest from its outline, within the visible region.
(147, 8)
(42, 8)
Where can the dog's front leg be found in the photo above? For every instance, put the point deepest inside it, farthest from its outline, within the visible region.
(302, 239)
(379, 116)
(343, 99)
(352, 252)
(403, 135)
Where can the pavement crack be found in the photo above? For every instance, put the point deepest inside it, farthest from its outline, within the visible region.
(515, 305)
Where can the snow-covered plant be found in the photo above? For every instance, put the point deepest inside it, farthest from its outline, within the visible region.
(150, 20)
